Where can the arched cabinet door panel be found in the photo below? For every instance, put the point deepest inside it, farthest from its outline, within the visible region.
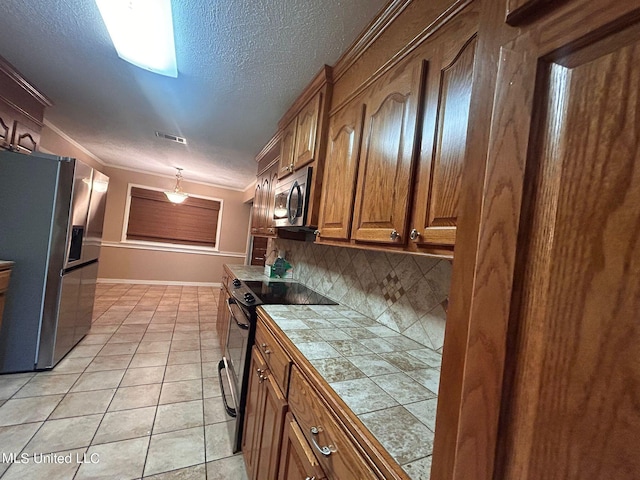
(387, 156)
(444, 141)
(341, 172)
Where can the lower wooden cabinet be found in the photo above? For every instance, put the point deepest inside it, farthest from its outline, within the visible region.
(337, 454)
(291, 430)
(264, 419)
(222, 320)
(5, 273)
(297, 461)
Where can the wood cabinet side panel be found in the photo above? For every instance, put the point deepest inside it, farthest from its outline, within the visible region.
(491, 204)
(574, 369)
(222, 319)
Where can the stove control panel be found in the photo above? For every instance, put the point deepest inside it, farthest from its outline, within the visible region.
(244, 295)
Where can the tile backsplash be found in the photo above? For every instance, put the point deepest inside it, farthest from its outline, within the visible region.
(407, 293)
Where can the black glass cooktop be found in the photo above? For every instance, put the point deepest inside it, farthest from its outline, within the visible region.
(287, 293)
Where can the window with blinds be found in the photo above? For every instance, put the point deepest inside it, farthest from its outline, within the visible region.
(153, 218)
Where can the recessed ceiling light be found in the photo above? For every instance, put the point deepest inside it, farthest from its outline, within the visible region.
(142, 33)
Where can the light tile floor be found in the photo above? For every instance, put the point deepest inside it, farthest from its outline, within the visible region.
(137, 398)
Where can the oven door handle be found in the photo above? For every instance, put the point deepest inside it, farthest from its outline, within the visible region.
(230, 411)
(243, 326)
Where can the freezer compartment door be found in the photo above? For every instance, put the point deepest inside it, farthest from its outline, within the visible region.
(86, 299)
(75, 312)
(52, 349)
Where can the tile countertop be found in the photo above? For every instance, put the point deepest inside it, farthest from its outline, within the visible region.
(388, 380)
(250, 273)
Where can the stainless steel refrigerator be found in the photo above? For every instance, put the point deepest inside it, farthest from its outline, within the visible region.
(51, 217)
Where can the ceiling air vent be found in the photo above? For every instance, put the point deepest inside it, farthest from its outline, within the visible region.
(172, 138)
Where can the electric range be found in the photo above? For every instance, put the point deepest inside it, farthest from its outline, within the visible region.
(233, 369)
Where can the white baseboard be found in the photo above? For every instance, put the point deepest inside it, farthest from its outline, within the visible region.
(158, 282)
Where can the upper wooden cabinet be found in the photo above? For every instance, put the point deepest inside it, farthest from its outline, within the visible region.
(444, 140)
(262, 213)
(21, 111)
(301, 143)
(287, 149)
(303, 131)
(306, 130)
(396, 150)
(341, 171)
(386, 160)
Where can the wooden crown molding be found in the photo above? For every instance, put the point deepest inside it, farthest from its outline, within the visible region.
(10, 71)
(426, 33)
(322, 78)
(21, 110)
(270, 153)
(370, 34)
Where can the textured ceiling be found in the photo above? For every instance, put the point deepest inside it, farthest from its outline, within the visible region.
(241, 63)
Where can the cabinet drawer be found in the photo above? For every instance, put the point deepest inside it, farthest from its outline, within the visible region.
(278, 361)
(341, 460)
(4, 280)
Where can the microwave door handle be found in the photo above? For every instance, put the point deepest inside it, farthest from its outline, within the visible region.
(292, 215)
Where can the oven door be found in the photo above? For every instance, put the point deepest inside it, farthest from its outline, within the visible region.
(231, 369)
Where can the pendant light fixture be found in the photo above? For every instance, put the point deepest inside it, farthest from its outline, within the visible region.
(177, 195)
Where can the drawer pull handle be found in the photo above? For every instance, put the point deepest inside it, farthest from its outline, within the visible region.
(265, 348)
(327, 449)
(310, 478)
(261, 377)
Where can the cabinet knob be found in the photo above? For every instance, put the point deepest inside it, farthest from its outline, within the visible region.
(265, 348)
(414, 234)
(394, 235)
(316, 233)
(291, 167)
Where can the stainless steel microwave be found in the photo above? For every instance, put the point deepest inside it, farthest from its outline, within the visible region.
(291, 199)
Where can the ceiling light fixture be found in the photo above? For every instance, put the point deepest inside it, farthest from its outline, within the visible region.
(177, 195)
(142, 33)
